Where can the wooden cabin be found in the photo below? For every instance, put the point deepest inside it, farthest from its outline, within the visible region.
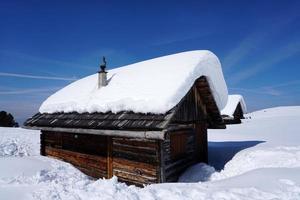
(139, 148)
(234, 110)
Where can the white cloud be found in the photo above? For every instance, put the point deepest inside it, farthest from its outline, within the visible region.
(277, 56)
(242, 50)
(28, 91)
(272, 90)
(37, 77)
(255, 40)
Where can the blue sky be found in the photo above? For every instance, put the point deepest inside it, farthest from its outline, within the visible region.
(45, 45)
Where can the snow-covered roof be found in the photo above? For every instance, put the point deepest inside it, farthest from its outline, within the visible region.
(151, 86)
(233, 101)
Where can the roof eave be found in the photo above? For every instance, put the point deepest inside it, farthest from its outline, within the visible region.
(157, 135)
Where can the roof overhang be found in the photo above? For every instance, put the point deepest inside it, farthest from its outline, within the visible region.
(157, 135)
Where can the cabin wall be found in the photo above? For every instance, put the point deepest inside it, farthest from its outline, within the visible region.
(176, 161)
(238, 113)
(186, 141)
(134, 161)
(86, 152)
(237, 116)
(183, 148)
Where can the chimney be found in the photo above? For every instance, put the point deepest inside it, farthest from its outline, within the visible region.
(102, 77)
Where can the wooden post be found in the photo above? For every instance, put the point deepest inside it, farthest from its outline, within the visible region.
(42, 141)
(109, 157)
(161, 170)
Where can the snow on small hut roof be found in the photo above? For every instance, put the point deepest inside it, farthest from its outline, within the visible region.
(151, 86)
(233, 101)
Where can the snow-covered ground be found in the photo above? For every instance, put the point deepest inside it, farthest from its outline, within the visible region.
(258, 159)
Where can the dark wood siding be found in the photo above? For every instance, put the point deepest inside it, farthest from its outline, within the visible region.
(201, 142)
(175, 165)
(87, 152)
(238, 113)
(191, 109)
(237, 116)
(184, 147)
(214, 118)
(136, 161)
(178, 145)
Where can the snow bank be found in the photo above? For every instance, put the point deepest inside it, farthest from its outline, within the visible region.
(269, 139)
(199, 172)
(248, 160)
(19, 142)
(151, 86)
(18, 173)
(232, 102)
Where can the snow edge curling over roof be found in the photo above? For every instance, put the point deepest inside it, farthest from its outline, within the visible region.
(233, 101)
(151, 86)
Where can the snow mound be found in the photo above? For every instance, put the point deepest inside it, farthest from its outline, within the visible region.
(232, 102)
(248, 160)
(196, 173)
(136, 87)
(12, 172)
(18, 142)
(269, 139)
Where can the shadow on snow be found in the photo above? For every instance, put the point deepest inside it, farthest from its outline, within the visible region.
(219, 153)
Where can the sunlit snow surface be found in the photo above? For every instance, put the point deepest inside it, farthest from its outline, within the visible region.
(258, 159)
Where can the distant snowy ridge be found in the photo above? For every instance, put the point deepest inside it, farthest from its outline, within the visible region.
(151, 86)
(232, 102)
(281, 111)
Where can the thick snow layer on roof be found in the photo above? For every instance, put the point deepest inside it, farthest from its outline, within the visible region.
(233, 101)
(151, 86)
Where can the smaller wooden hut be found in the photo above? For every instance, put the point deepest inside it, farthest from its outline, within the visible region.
(144, 123)
(234, 110)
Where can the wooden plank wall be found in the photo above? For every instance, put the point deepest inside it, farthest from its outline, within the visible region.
(213, 114)
(136, 161)
(86, 152)
(237, 116)
(238, 113)
(192, 111)
(201, 142)
(174, 166)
